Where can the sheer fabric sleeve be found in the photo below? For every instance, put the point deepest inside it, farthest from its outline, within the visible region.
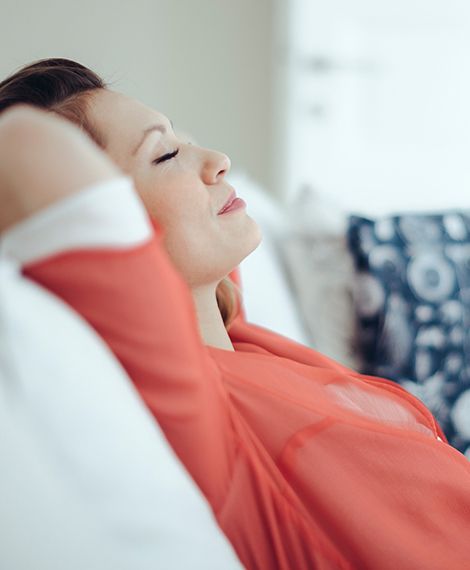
(97, 250)
(99, 253)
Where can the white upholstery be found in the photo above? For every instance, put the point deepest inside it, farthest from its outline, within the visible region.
(88, 481)
(321, 271)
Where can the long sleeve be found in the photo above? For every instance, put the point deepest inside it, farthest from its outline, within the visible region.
(98, 252)
(306, 465)
(107, 263)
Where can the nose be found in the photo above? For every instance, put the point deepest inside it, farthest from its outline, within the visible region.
(215, 166)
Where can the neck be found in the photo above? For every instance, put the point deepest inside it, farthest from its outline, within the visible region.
(211, 324)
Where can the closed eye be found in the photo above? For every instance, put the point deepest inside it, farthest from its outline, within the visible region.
(165, 157)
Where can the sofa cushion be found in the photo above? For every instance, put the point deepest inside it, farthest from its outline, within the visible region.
(320, 268)
(412, 300)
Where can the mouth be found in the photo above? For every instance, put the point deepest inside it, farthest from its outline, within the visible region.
(232, 203)
(230, 199)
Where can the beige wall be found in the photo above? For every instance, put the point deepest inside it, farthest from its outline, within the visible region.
(207, 64)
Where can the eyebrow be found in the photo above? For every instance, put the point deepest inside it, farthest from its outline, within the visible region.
(147, 131)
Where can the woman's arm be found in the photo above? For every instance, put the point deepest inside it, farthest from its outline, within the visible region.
(128, 290)
(77, 227)
(44, 159)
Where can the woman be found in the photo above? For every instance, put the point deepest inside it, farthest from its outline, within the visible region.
(305, 463)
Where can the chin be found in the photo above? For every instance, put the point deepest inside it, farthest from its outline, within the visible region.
(213, 268)
(250, 241)
(256, 236)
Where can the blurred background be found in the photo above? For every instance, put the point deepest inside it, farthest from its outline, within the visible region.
(348, 126)
(207, 64)
(365, 101)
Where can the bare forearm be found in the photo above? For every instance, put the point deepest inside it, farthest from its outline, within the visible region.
(128, 290)
(43, 159)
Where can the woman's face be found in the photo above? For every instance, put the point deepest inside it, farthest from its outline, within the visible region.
(182, 185)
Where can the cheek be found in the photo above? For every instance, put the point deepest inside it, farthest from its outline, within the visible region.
(172, 201)
(181, 210)
(159, 206)
(187, 227)
(155, 206)
(183, 219)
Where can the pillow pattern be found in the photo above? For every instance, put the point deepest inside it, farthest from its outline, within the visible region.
(412, 302)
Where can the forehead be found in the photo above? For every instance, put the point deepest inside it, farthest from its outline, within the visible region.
(121, 120)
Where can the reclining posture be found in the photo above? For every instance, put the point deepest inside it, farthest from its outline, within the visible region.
(306, 464)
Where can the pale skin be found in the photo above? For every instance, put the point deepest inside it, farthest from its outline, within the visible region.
(183, 192)
(31, 177)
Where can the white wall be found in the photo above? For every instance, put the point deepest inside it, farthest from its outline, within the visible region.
(204, 63)
(384, 124)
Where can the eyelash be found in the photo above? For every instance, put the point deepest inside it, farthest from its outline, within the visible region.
(165, 157)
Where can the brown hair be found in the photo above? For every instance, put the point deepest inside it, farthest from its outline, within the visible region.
(63, 86)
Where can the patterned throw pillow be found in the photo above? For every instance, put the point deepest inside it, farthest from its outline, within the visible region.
(412, 300)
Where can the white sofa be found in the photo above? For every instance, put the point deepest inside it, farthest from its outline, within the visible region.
(87, 479)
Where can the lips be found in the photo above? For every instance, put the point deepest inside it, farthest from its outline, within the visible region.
(229, 201)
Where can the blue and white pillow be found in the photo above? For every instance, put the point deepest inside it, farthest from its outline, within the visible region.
(412, 300)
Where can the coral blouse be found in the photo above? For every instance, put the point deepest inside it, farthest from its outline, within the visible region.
(306, 464)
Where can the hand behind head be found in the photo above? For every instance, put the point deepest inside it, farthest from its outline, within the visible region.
(44, 158)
